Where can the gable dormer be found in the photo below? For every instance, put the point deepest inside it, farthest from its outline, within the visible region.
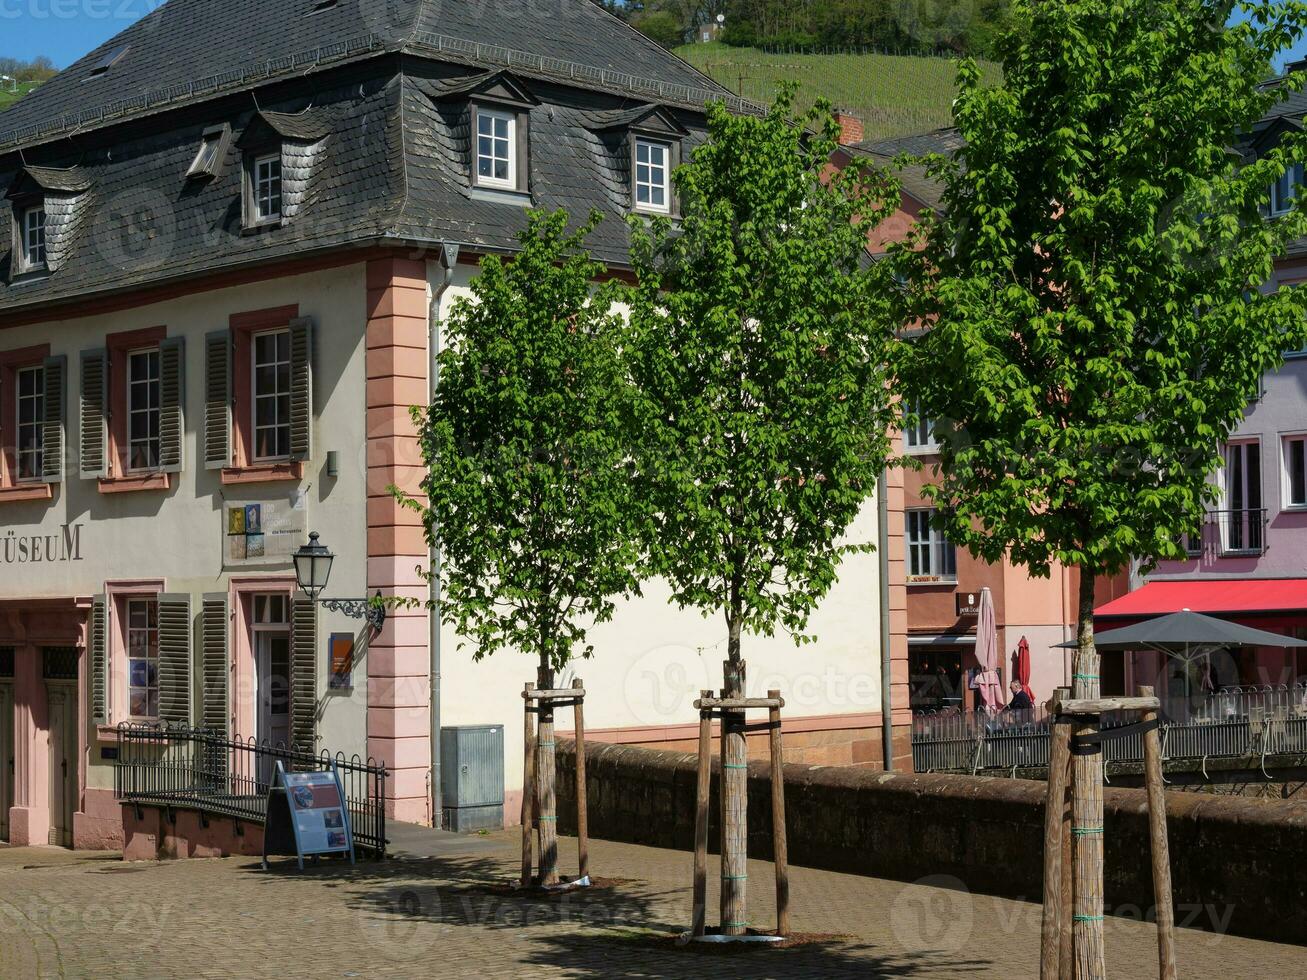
(643, 146)
(493, 109)
(279, 154)
(48, 206)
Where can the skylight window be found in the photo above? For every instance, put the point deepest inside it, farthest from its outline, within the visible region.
(213, 149)
(111, 58)
(320, 5)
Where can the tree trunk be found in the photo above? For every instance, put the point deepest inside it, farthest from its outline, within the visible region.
(735, 785)
(545, 780)
(1087, 801)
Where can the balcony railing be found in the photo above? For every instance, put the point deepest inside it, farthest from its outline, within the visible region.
(1229, 533)
(1236, 722)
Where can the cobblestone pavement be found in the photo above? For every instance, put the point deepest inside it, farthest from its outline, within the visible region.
(66, 914)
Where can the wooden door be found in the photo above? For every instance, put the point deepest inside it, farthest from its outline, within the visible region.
(62, 699)
(6, 756)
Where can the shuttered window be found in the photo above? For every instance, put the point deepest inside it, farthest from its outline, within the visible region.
(215, 668)
(98, 642)
(270, 389)
(143, 409)
(93, 417)
(142, 632)
(30, 433)
(174, 659)
(52, 419)
(217, 400)
(304, 673)
(172, 405)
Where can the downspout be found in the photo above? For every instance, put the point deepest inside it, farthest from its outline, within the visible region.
(449, 259)
(886, 673)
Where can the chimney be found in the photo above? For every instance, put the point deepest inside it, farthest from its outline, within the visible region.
(850, 127)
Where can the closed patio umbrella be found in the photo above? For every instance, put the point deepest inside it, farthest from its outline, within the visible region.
(987, 683)
(1023, 668)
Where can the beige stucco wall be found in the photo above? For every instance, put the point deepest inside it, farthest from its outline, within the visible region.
(178, 535)
(652, 659)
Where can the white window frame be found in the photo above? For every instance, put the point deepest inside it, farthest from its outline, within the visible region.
(919, 437)
(261, 198)
(1230, 543)
(36, 427)
(510, 159)
(649, 183)
(150, 650)
(1287, 441)
(32, 237)
(1285, 190)
(926, 549)
(133, 386)
(256, 396)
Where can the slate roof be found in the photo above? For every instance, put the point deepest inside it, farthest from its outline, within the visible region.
(382, 160)
(192, 49)
(915, 180)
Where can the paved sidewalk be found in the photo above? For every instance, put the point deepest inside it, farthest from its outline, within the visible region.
(65, 914)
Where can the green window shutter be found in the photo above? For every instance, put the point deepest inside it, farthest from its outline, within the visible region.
(301, 389)
(215, 669)
(217, 400)
(303, 673)
(98, 642)
(175, 659)
(52, 430)
(172, 399)
(93, 423)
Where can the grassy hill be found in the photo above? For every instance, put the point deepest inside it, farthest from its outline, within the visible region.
(8, 98)
(892, 94)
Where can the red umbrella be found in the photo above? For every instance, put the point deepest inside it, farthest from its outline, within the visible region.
(1023, 668)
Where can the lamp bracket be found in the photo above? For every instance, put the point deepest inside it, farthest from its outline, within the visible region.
(366, 609)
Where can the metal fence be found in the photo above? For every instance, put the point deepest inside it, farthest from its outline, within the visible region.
(199, 769)
(1238, 722)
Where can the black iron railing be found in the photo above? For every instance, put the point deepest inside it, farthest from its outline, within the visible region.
(1235, 722)
(1229, 532)
(230, 777)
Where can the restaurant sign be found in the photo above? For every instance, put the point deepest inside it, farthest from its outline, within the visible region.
(968, 603)
(17, 548)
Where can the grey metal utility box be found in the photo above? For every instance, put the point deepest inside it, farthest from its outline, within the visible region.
(472, 777)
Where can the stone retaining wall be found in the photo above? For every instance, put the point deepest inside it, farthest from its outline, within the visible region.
(1236, 862)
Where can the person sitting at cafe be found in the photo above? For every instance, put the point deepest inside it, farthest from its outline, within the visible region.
(1020, 699)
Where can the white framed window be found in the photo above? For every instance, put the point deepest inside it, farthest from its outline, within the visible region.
(265, 188)
(496, 152)
(1285, 190)
(1295, 471)
(271, 390)
(143, 658)
(1244, 518)
(30, 392)
(33, 237)
(931, 558)
(143, 409)
(652, 165)
(918, 430)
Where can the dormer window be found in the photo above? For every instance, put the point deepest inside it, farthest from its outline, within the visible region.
(265, 189)
(32, 232)
(496, 148)
(652, 167)
(1285, 190)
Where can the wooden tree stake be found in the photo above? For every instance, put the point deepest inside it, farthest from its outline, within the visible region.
(780, 848)
(582, 811)
(1054, 911)
(701, 821)
(528, 790)
(1160, 848)
(735, 787)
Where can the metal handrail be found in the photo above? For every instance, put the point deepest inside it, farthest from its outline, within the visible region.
(199, 769)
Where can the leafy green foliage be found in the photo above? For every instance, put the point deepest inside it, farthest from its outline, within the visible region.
(530, 497)
(758, 342)
(1095, 285)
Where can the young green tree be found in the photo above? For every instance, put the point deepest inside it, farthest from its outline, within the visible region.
(758, 345)
(529, 490)
(1094, 290)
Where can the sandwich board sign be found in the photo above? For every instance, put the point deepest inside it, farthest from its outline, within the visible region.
(307, 816)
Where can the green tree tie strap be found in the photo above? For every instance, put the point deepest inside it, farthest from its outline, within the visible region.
(733, 765)
(1085, 831)
(1087, 918)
